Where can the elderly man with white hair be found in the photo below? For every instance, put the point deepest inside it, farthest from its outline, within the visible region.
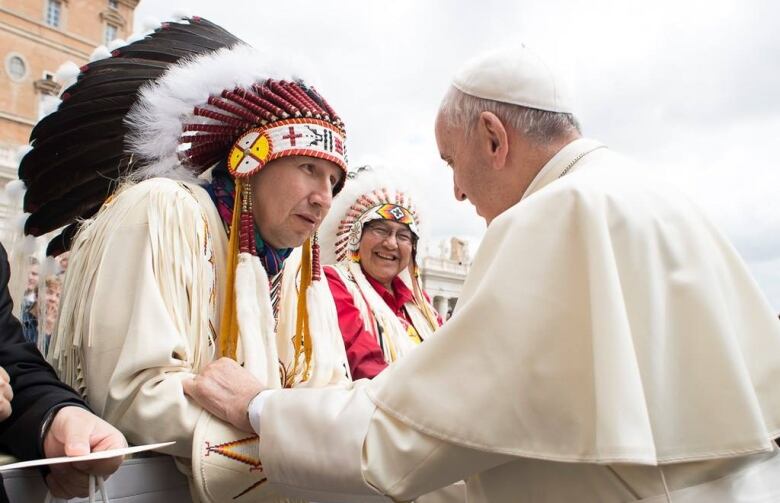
(609, 344)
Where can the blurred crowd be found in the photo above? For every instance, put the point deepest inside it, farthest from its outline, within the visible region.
(42, 299)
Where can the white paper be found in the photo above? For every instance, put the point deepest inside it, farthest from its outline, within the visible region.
(112, 453)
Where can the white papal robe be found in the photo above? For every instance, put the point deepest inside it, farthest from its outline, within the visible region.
(609, 345)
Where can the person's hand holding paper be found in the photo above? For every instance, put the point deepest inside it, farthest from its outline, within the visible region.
(75, 431)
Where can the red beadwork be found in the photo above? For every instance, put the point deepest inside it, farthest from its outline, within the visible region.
(309, 104)
(315, 262)
(211, 114)
(233, 109)
(284, 96)
(207, 146)
(260, 100)
(205, 159)
(275, 99)
(259, 105)
(211, 128)
(235, 98)
(247, 234)
(332, 113)
(197, 139)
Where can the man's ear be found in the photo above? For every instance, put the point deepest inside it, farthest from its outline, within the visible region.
(495, 139)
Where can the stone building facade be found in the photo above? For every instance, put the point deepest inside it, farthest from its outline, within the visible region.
(36, 37)
(443, 274)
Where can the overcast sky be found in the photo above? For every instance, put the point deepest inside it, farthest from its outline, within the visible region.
(690, 88)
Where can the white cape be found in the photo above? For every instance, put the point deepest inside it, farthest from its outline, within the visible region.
(604, 320)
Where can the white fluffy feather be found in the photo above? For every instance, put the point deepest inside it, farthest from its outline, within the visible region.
(155, 121)
(135, 37)
(21, 152)
(116, 44)
(181, 13)
(15, 190)
(66, 74)
(100, 52)
(150, 24)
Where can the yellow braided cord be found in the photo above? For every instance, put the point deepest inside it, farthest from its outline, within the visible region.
(302, 339)
(419, 299)
(228, 330)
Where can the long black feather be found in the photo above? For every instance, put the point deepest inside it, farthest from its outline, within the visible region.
(112, 168)
(63, 241)
(52, 162)
(78, 154)
(69, 116)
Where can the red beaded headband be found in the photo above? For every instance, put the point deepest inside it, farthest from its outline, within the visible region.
(265, 122)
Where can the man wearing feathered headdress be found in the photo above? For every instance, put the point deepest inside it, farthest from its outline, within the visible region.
(173, 270)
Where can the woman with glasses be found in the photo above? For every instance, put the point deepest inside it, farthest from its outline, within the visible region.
(370, 236)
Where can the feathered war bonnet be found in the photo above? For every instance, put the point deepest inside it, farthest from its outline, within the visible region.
(174, 104)
(373, 193)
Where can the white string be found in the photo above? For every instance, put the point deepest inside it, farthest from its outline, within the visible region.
(103, 492)
(666, 487)
(92, 489)
(101, 485)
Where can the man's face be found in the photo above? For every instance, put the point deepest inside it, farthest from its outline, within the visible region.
(462, 155)
(291, 196)
(385, 249)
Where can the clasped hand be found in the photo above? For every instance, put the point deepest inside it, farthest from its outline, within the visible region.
(225, 389)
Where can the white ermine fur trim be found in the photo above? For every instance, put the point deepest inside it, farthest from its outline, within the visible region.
(15, 190)
(100, 52)
(395, 335)
(366, 182)
(325, 335)
(256, 321)
(155, 121)
(67, 73)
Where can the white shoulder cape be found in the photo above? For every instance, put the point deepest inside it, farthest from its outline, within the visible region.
(604, 320)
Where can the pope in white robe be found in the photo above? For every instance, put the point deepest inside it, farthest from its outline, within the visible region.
(609, 344)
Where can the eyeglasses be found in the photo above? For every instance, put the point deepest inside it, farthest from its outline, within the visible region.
(402, 236)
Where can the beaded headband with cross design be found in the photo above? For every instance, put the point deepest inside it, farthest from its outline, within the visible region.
(264, 122)
(378, 204)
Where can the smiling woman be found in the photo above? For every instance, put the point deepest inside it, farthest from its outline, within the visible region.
(371, 237)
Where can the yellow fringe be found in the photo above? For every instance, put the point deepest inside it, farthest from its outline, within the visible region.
(302, 340)
(228, 330)
(419, 299)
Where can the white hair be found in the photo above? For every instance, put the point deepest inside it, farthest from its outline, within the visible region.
(461, 109)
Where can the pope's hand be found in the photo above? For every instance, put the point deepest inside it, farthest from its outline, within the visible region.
(225, 389)
(6, 394)
(76, 431)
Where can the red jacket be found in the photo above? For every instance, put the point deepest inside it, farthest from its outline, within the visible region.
(363, 352)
